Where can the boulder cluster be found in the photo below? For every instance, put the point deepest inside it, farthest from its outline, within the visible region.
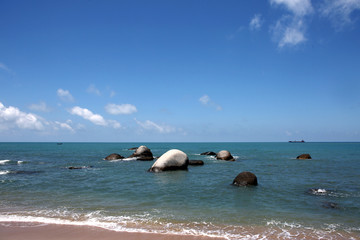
(141, 153)
(175, 159)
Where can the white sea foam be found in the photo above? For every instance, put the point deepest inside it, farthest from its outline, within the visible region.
(124, 159)
(4, 172)
(3, 162)
(20, 162)
(130, 159)
(146, 223)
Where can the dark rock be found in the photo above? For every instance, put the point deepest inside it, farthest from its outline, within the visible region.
(82, 167)
(114, 156)
(304, 156)
(143, 153)
(171, 160)
(196, 162)
(245, 179)
(208, 153)
(224, 155)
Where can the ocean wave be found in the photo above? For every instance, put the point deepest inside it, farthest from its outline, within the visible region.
(329, 193)
(146, 223)
(3, 162)
(318, 191)
(11, 162)
(4, 172)
(19, 172)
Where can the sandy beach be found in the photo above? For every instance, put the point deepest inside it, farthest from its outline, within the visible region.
(21, 231)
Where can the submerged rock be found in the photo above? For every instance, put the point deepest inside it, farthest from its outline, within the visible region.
(196, 162)
(133, 148)
(171, 160)
(245, 179)
(330, 205)
(304, 156)
(143, 153)
(114, 156)
(82, 167)
(208, 153)
(224, 155)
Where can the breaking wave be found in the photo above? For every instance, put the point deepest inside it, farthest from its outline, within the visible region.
(146, 223)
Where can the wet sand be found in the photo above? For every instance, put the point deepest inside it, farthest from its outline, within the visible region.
(26, 231)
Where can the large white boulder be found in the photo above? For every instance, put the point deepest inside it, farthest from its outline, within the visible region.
(143, 153)
(171, 160)
(224, 155)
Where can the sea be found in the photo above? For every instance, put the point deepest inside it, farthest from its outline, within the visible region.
(317, 198)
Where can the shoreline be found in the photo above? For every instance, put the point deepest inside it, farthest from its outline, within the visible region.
(10, 230)
(39, 231)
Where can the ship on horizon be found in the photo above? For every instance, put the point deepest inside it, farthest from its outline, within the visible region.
(296, 141)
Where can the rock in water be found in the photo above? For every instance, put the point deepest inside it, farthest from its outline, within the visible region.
(143, 153)
(114, 156)
(245, 179)
(304, 156)
(208, 153)
(224, 155)
(82, 167)
(196, 162)
(171, 160)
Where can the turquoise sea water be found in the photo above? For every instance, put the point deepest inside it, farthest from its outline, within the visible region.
(37, 186)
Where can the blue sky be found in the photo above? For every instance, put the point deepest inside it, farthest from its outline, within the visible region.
(122, 71)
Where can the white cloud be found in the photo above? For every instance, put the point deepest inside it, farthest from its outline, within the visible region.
(63, 126)
(340, 11)
(4, 67)
(94, 118)
(292, 36)
(297, 7)
(40, 107)
(92, 89)
(65, 95)
(120, 109)
(149, 125)
(112, 93)
(290, 30)
(289, 33)
(88, 115)
(114, 124)
(256, 22)
(12, 117)
(205, 100)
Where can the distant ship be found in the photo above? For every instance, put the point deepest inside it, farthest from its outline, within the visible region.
(302, 141)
